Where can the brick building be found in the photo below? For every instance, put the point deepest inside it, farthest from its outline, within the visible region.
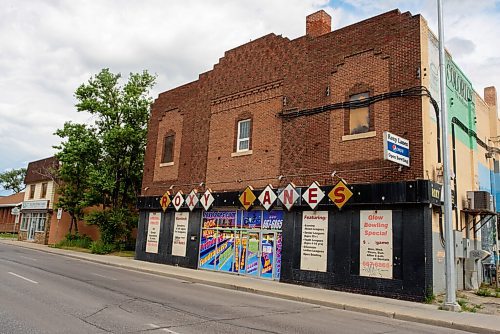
(305, 117)
(39, 221)
(9, 215)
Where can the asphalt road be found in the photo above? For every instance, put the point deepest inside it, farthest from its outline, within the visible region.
(48, 293)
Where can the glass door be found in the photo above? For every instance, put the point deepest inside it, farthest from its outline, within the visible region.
(32, 221)
(268, 251)
(253, 254)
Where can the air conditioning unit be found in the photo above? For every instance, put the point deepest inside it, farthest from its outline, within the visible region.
(479, 200)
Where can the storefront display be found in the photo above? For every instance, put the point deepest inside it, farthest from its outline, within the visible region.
(243, 242)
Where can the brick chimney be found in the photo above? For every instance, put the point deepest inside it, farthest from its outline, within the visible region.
(490, 96)
(318, 24)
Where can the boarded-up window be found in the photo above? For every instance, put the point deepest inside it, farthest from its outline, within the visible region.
(168, 149)
(359, 117)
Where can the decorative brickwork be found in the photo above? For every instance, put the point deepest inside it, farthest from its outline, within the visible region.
(274, 74)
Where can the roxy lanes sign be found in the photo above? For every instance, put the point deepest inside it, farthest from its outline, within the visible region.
(396, 149)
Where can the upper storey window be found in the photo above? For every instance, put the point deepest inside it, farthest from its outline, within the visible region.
(168, 149)
(359, 117)
(243, 143)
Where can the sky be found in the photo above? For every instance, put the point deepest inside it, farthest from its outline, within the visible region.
(50, 47)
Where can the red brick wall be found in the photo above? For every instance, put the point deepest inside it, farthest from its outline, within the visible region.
(7, 221)
(272, 74)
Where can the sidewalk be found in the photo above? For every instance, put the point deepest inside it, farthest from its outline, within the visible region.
(392, 308)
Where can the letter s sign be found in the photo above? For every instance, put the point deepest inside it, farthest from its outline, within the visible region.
(340, 194)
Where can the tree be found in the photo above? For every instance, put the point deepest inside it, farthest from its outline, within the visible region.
(114, 180)
(78, 154)
(13, 180)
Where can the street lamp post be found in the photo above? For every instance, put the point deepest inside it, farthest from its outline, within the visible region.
(450, 302)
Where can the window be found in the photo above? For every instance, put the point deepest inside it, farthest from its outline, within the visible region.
(44, 190)
(32, 191)
(168, 149)
(359, 117)
(39, 221)
(243, 143)
(24, 221)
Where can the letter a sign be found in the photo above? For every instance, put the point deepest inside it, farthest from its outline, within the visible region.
(340, 194)
(267, 197)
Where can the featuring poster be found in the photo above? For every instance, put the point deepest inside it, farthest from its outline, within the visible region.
(179, 240)
(153, 232)
(375, 251)
(314, 240)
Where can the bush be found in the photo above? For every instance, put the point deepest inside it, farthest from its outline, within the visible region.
(115, 225)
(75, 240)
(99, 247)
(484, 292)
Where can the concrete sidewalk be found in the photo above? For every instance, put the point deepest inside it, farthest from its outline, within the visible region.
(397, 309)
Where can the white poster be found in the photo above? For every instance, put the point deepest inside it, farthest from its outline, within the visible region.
(375, 251)
(153, 232)
(314, 240)
(179, 240)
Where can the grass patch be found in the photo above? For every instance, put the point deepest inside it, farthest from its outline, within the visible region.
(484, 292)
(99, 247)
(8, 236)
(74, 241)
(464, 305)
(124, 253)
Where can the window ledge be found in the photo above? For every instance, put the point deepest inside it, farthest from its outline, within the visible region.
(368, 134)
(166, 164)
(242, 153)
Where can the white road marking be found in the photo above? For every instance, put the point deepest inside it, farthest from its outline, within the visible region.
(163, 329)
(111, 278)
(29, 258)
(24, 278)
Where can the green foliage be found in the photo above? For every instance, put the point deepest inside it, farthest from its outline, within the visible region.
(100, 247)
(484, 292)
(429, 298)
(8, 236)
(75, 240)
(115, 225)
(464, 305)
(103, 164)
(13, 179)
(78, 155)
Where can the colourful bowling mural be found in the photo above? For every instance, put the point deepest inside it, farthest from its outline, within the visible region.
(243, 242)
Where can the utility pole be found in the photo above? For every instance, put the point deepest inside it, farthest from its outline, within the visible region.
(450, 302)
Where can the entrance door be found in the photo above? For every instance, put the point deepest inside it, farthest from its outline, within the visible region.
(31, 227)
(268, 252)
(253, 254)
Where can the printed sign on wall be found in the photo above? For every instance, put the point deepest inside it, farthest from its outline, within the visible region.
(375, 252)
(179, 240)
(314, 240)
(153, 232)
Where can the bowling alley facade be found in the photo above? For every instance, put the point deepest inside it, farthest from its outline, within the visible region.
(316, 161)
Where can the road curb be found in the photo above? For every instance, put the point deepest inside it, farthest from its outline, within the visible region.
(230, 286)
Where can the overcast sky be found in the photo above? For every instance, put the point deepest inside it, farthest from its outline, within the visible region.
(48, 48)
